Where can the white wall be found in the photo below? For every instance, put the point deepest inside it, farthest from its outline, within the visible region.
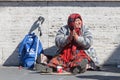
(16, 19)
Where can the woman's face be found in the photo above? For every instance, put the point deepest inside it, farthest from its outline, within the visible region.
(77, 23)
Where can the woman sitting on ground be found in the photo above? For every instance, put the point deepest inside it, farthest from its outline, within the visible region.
(73, 41)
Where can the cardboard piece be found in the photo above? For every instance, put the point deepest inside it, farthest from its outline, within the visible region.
(56, 73)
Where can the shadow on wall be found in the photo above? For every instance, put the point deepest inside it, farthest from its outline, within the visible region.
(114, 59)
(51, 51)
(12, 60)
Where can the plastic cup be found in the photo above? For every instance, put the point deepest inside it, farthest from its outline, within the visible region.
(59, 69)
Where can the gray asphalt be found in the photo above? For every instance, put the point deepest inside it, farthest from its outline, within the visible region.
(14, 73)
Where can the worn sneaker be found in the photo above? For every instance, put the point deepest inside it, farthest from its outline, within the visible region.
(81, 68)
(76, 70)
(42, 68)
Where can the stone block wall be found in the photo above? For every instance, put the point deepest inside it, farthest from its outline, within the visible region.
(17, 18)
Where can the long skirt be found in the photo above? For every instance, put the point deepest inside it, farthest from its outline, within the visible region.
(67, 65)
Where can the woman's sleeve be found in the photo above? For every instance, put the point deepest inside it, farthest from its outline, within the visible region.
(62, 38)
(85, 40)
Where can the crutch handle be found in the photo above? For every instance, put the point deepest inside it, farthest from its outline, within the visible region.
(40, 18)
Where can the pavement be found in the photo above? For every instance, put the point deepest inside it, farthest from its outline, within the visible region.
(14, 73)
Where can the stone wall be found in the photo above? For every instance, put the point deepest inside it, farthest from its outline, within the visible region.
(17, 18)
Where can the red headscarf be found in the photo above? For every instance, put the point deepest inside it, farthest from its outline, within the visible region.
(71, 20)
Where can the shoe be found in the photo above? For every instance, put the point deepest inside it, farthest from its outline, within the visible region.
(42, 68)
(83, 64)
(95, 68)
(81, 68)
(76, 70)
(98, 68)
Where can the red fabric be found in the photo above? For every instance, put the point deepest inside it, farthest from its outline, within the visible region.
(70, 49)
(70, 52)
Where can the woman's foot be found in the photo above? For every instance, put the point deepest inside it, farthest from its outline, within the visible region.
(81, 68)
(43, 68)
